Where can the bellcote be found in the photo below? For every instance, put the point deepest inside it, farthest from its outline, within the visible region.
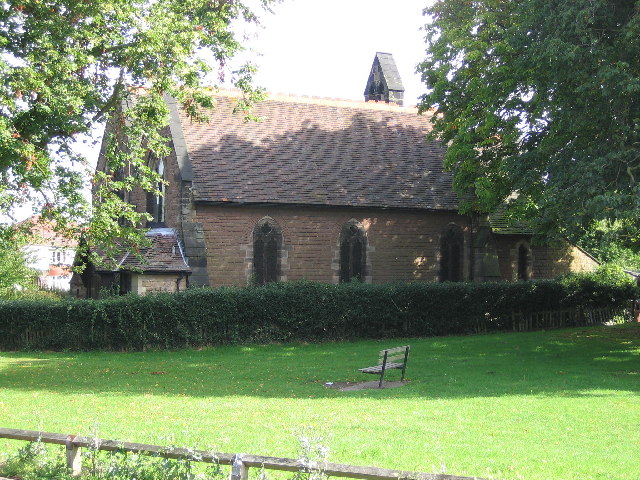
(384, 83)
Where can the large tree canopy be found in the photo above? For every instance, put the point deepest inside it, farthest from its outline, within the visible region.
(67, 65)
(539, 100)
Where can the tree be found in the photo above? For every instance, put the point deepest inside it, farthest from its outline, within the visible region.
(68, 65)
(603, 241)
(15, 273)
(539, 103)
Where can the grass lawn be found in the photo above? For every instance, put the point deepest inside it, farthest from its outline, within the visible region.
(543, 405)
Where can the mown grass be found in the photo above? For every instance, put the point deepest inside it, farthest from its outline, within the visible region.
(541, 405)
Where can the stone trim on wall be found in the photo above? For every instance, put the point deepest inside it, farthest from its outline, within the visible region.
(514, 255)
(283, 251)
(369, 249)
(464, 257)
(193, 238)
(177, 137)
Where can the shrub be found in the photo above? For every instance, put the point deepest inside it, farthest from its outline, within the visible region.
(36, 462)
(300, 311)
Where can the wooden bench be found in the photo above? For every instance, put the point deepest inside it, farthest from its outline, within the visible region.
(390, 358)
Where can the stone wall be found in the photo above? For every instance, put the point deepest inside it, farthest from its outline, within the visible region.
(153, 283)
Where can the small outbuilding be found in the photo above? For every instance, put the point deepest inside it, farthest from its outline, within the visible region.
(160, 267)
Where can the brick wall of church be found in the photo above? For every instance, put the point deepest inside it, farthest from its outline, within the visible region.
(138, 197)
(402, 245)
(172, 195)
(546, 261)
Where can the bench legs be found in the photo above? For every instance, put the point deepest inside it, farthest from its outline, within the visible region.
(404, 365)
(384, 366)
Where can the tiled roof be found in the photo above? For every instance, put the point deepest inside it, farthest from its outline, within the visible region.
(43, 233)
(502, 225)
(310, 151)
(165, 254)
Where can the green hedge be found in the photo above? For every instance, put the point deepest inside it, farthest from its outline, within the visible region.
(297, 311)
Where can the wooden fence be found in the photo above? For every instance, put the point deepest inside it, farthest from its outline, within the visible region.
(562, 318)
(239, 463)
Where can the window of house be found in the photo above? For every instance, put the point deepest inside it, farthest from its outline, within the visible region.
(524, 262)
(267, 241)
(353, 252)
(155, 200)
(124, 283)
(451, 244)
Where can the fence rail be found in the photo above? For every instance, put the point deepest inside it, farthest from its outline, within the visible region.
(563, 318)
(240, 463)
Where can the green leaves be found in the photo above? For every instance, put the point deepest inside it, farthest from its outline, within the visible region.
(67, 65)
(303, 311)
(540, 98)
(15, 274)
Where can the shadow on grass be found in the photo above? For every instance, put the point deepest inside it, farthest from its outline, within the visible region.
(590, 361)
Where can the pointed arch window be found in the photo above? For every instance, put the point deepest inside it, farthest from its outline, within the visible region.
(451, 249)
(267, 242)
(119, 175)
(353, 252)
(524, 262)
(155, 199)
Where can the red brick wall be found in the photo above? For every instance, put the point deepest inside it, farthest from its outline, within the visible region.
(402, 245)
(546, 261)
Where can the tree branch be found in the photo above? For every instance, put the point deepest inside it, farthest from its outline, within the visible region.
(115, 95)
(101, 50)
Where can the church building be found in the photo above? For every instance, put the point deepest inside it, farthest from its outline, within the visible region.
(324, 190)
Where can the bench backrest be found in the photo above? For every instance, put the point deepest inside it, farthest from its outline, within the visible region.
(394, 355)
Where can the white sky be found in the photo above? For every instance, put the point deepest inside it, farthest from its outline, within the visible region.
(326, 48)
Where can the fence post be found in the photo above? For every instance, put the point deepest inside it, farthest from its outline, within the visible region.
(74, 459)
(239, 471)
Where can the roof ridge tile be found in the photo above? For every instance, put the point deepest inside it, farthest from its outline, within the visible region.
(319, 100)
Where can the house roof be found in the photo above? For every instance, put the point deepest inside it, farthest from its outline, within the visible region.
(165, 254)
(58, 270)
(311, 151)
(43, 233)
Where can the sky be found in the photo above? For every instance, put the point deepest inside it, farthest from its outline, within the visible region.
(326, 48)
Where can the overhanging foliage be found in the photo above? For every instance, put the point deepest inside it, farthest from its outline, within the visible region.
(67, 66)
(540, 98)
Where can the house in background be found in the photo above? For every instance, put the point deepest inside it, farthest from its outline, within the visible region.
(331, 191)
(51, 255)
